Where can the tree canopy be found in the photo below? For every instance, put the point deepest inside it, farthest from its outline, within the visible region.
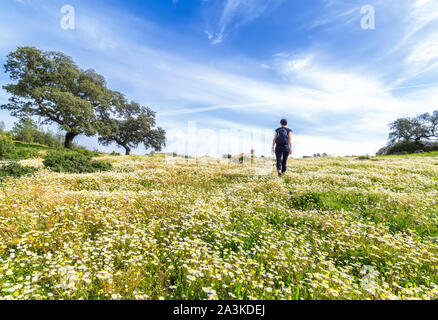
(133, 125)
(51, 86)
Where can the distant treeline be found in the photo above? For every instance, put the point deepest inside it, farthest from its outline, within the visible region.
(27, 130)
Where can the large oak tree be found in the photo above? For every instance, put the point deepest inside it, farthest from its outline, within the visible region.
(51, 86)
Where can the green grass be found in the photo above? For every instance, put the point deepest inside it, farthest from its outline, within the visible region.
(25, 150)
(33, 146)
(370, 206)
(425, 154)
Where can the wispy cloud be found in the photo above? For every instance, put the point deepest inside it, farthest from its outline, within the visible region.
(418, 41)
(424, 56)
(236, 13)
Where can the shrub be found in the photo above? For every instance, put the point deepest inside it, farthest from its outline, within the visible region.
(7, 148)
(88, 153)
(402, 147)
(25, 153)
(62, 160)
(431, 146)
(408, 147)
(9, 151)
(101, 166)
(14, 169)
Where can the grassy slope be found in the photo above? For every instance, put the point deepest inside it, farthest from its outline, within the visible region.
(34, 146)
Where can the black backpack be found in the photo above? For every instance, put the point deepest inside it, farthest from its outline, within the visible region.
(283, 137)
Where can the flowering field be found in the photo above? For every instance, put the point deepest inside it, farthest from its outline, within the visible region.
(333, 228)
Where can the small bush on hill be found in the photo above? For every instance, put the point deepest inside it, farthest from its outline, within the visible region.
(7, 148)
(87, 152)
(62, 160)
(21, 154)
(409, 147)
(431, 147)
(14, 169)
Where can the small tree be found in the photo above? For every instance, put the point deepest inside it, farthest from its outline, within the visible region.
(408, 133)
(133, 126)
(25, 130)
(419, 129)
(51, 86)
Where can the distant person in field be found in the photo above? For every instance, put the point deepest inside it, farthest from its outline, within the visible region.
(282, 146)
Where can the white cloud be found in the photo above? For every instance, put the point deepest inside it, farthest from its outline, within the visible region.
(95, 34)
(417, 16)
(236, 13)
(337, 17)
(424, 55)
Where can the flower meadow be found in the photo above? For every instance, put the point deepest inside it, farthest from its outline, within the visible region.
(332, 228)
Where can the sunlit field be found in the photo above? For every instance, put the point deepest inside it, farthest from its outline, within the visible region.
(332, 228)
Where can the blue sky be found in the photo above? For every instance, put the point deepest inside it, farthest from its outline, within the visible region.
(222, 73)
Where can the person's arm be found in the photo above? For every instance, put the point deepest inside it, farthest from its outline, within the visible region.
(290, 142)
(274, 141)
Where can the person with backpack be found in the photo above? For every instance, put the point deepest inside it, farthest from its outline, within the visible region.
(282, 146)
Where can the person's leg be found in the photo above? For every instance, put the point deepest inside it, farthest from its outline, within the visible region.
(284, 164)
(278, 154)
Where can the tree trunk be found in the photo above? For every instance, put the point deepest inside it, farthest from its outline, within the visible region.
(68, 143)
(128, 150)
(419, 144)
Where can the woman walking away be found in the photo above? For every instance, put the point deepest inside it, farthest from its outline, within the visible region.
(283, 146)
